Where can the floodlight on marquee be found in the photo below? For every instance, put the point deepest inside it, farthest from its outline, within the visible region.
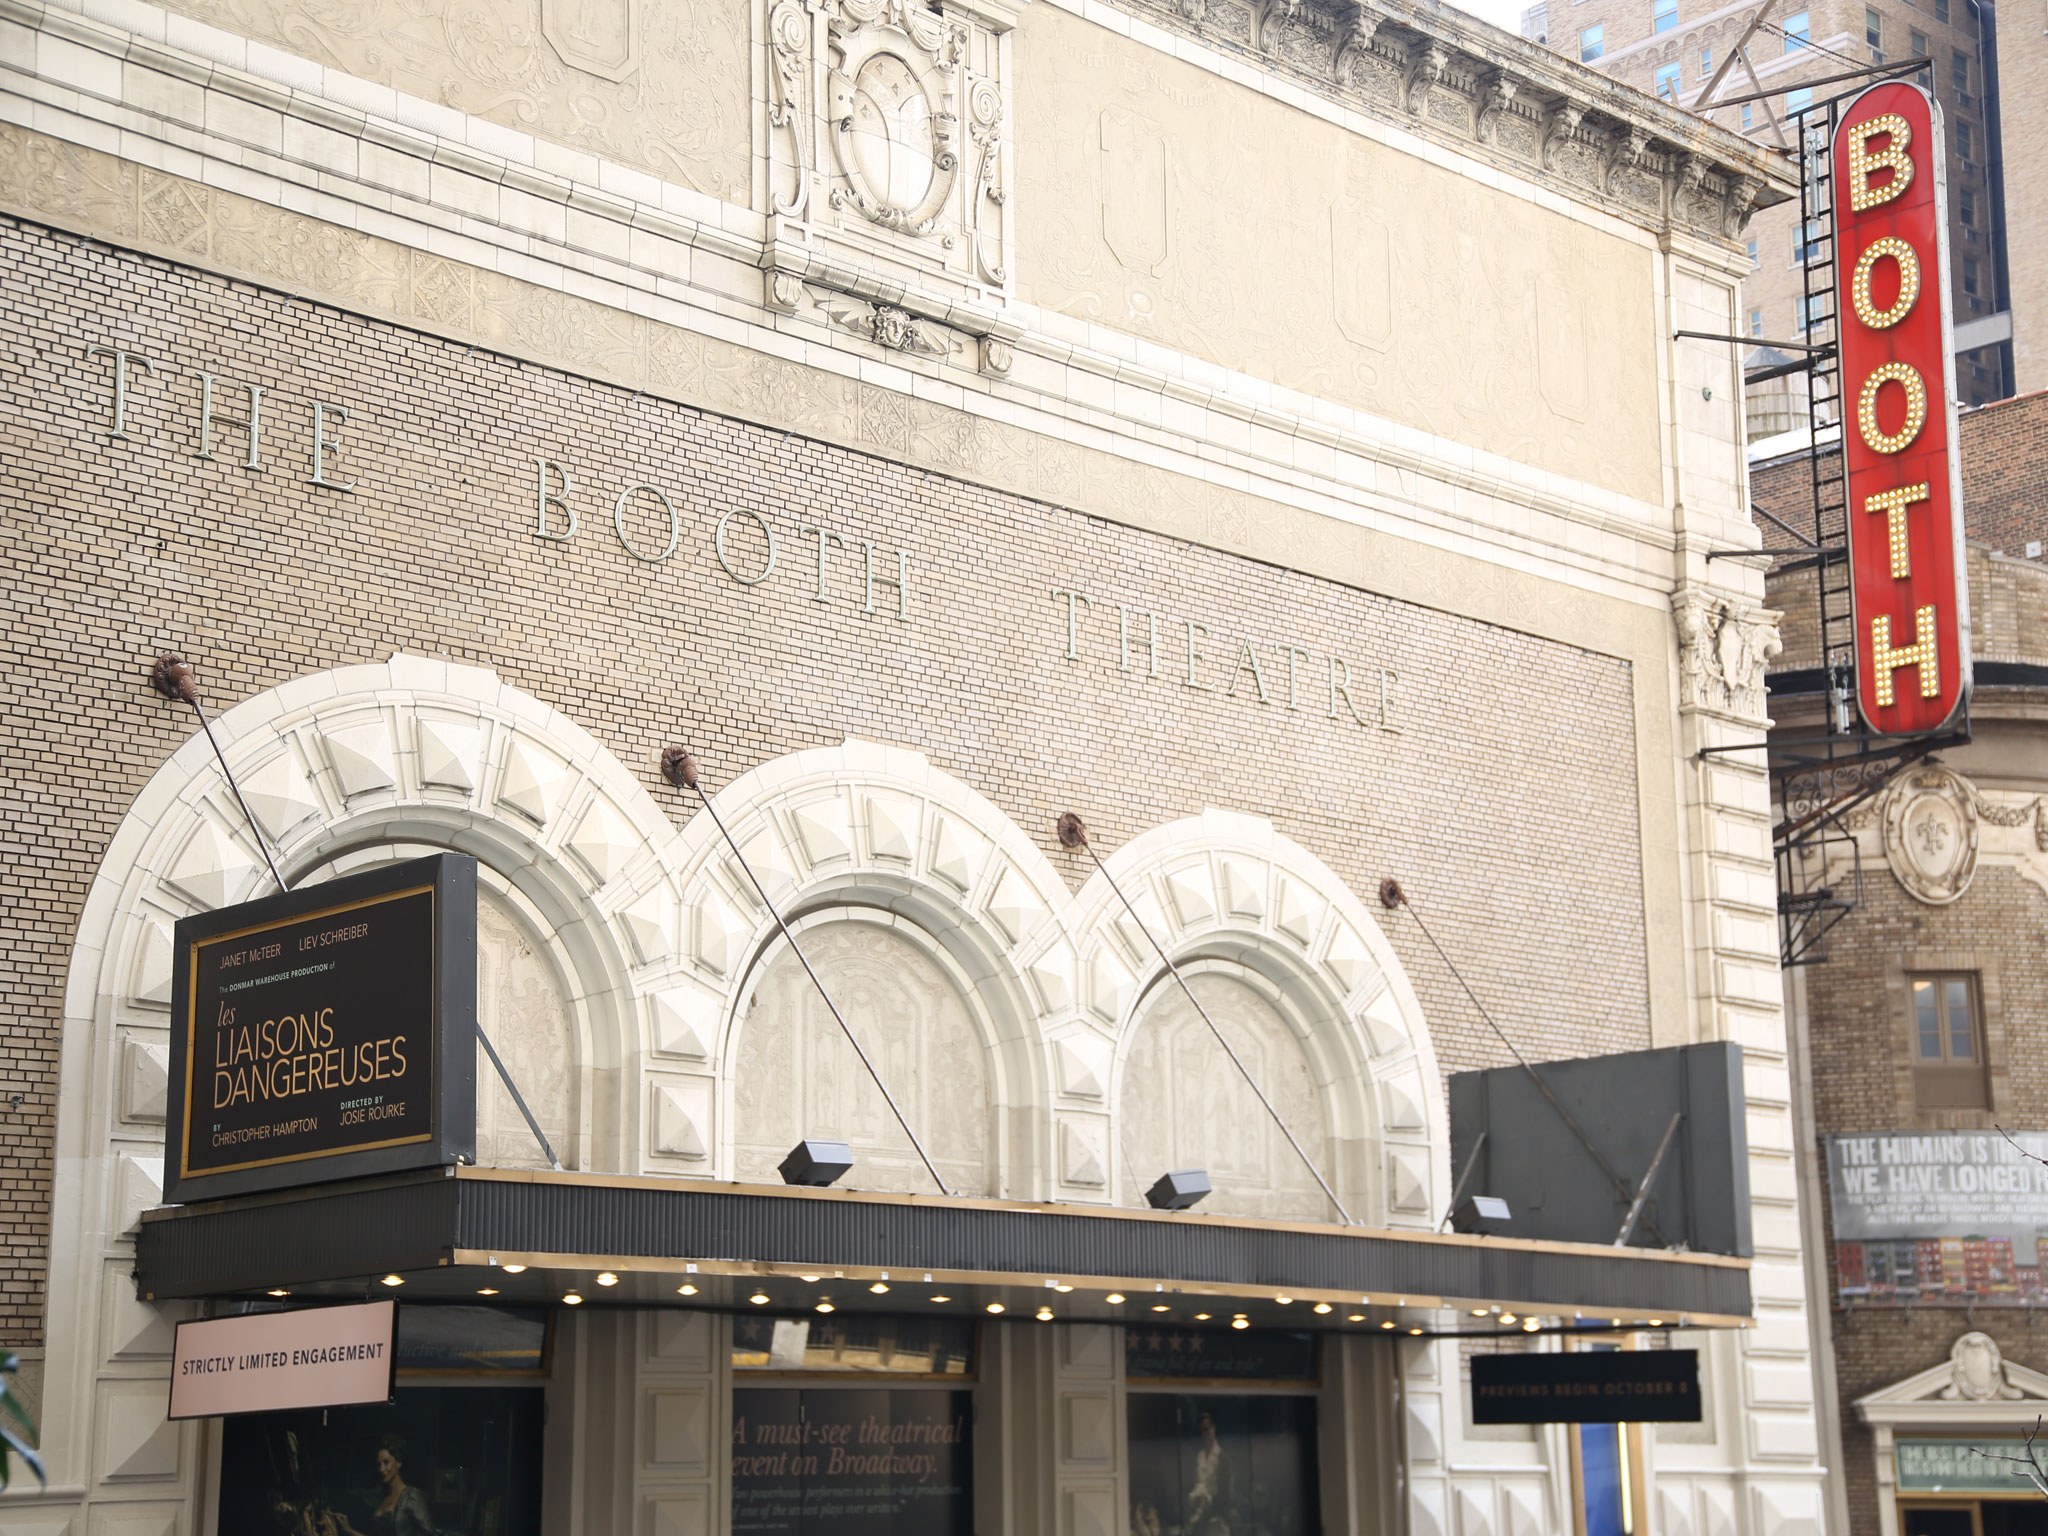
(1909, 587)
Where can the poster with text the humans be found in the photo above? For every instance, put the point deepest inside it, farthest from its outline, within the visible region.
(438, 1461)
(1222, 1464)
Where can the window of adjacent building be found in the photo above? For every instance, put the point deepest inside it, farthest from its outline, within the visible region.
(1941, 10)
(1797, 29)
(1917, 41)
(1970, 275)
(1664, 15)
(1754, 262)
(1748, 121)
(1667, 81)
(1706, 62)
(1873, 28)
(1808, 312)
(1805, 238)
(1966, 141)
(1799, 100)
(1959, 66)
(1592, 43)
(1948, 1040)
(1756, 317)
(1967, 206)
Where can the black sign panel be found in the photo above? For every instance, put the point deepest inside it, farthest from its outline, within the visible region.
(868, 1461)
(325, 1033)
(1218, 1354)
(1609, 1386)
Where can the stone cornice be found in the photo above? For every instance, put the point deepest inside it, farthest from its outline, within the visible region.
(1501, 99)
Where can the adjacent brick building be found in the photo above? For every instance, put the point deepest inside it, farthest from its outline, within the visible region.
(1928, 1016)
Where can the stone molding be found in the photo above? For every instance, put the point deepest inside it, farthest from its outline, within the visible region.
(1504, 101)
(623, 245)
(1724, 647)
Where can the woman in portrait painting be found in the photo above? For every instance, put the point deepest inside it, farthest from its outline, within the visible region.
(1209, 1498)
(402, 1511)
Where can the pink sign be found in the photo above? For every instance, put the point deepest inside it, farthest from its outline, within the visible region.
(308, 1357)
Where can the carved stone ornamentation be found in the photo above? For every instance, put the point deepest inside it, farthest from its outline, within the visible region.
(1977, 1372)
(789, 41)
(996, 356)
(1722, 654)
(1930, 833)
(1496, 95)
(1626, 147)
(1426, 67)
(1355, 36)
(1739, 204)
(1560, 128)
(893, 105)
(887, 325)
(785, 292)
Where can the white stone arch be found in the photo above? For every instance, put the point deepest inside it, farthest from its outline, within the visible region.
(1224, 889)
(870, 829)
(336, 766)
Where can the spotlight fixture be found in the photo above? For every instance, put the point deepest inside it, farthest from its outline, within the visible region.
(280, 1291)
(1285, 1301)
(1201, 1317)
(995, 1309)
(809, 1279)
(1508, 1319)
(879, 1288)
(394, 1280)
(1416, 1332)
(487, 1290)
(606, 1277)
(1178, 1191)
(1044, 1314)
(1656, 1322)
(1481, 1213)
(1481, 1311)
(816, 1163)
(1323, 1309)
(1062, 1287)
(1160, 1306)
(572, 1300)
(515, 1269)
(942, 1300)
(1389, 1325)
(824, 1306)
(1240, 1323)
(1115, 1298)
(686, 1289)
(1355, 1317)
(759, 1298)
(1530, 1325)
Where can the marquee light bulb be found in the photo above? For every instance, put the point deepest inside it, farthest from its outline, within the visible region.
(825, 1306)
(1323, 1309)
(995, 1309)
(1044, 1314)
(1356, 1317)
(515, 1269)
(572, 1300)
(686, 1289)
(487, 1290)
(879, 1289)
(280, 1291)
(1160, 1307)
(1240, 1323)
(607, 1278)
(394, 1280)
(759, 1298)
(942, 1300)
(1115, 1298)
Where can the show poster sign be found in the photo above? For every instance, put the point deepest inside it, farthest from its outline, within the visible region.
(877, 1461)
(1947, 1218)
(1605, 1386)
(325, 1033)
(1909, 594)
(307, 1357)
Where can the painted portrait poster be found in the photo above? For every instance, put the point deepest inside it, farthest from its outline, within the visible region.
(439, 1461)
(1221, 1464)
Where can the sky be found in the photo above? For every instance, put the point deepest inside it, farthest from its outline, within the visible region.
(1502, 13)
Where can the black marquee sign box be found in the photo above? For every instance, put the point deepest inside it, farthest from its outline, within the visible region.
(325, 1033)
(1604, 1386)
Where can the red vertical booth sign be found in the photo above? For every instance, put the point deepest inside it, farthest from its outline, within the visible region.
(1909, 588)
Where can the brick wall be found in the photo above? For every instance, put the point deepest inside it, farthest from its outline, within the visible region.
(2005, 507)
(2023, 86)
(1509, 822)
(1862, 1081)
